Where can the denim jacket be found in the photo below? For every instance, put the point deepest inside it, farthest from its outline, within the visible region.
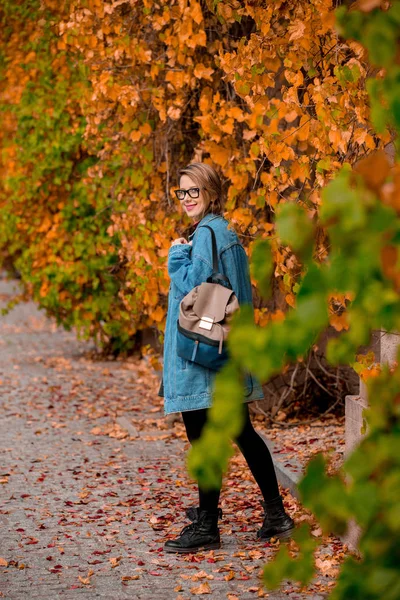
(187, 385)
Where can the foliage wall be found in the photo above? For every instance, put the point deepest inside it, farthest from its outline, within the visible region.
(360, 212)
(102, 102)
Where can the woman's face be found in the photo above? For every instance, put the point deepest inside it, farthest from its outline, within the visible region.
(194, 207)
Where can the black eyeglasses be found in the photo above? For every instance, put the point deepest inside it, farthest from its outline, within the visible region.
(192, 192)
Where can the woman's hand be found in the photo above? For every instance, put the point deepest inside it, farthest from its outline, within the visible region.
(180, 240)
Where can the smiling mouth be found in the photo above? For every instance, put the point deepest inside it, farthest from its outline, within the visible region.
(189, 206)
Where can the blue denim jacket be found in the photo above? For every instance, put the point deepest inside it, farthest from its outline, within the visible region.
(187, 385)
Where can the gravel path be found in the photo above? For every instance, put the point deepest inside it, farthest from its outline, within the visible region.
(93, 481)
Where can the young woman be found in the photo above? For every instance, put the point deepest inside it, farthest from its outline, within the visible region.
(186, 386)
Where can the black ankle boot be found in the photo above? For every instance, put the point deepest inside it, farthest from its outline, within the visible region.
(277, 522)
(201, 534)
(193, 513)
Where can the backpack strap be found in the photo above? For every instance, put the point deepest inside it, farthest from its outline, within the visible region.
(216, 276)
(214, 248)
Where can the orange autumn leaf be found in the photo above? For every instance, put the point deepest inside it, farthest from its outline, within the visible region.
(374, 169)
(291, 300)
(158, 314)
(390, 264)
(203, 588)
(149, 94)
(370, 372)
(339, 322)
(201, 71)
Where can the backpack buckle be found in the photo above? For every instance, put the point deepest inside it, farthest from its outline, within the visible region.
(206, 323)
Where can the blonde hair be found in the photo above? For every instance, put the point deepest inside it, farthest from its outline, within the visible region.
(208, 179)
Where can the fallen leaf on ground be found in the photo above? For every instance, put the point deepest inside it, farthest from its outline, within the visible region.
(203, 588)
(202, 575)
(115, 561)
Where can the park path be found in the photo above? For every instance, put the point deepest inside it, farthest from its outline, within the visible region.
(93, 481)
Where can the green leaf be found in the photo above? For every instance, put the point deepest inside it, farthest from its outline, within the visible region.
(294, 227)
(261, 266)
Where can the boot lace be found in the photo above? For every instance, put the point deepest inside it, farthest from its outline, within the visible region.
(194, 514)
(192, 528)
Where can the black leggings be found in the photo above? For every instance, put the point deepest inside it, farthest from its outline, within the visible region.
(253, 448)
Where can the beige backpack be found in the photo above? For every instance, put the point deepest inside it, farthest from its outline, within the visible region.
(204, 316)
